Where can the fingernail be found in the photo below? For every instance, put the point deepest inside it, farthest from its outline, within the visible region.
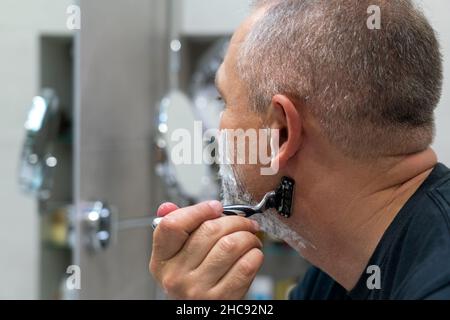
(216, 206)
(256, 225)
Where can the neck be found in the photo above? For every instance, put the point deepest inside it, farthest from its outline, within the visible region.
(348, 206)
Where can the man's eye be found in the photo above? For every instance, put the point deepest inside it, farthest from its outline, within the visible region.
(219, 98)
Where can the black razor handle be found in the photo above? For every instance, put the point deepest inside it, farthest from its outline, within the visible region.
(239, 210)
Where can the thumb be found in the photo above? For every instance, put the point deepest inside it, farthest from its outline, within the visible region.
(166, 208)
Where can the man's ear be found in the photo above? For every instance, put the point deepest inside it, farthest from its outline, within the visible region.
(285, 117)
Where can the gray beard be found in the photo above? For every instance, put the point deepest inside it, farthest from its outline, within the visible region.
(233, 192)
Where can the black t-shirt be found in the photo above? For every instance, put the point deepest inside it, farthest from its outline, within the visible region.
(413, 255)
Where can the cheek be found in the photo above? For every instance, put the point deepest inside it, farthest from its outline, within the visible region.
(236, 118)
(250, 174)
(255, 183)
(230, 119)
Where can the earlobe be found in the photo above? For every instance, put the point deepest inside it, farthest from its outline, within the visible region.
(286, 118)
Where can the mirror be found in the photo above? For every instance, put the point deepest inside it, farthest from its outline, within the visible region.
(197, 181)
(37, 159)
(186, 178)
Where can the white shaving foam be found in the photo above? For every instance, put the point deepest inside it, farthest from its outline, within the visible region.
(233, 192)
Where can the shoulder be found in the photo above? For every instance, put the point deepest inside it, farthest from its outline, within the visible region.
(424, 250)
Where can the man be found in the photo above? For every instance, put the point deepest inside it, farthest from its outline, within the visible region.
(354, 110)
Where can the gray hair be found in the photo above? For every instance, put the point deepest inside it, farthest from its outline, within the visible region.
(373, 91)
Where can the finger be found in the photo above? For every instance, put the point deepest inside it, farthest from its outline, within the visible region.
(166, 208)
(206, 236)
(174, 229)
(224, 255)
(235, 284)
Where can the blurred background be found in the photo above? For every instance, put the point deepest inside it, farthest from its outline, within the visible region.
(84, 139)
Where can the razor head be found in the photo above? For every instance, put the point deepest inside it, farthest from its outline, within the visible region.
(284, 197)
(281, 200)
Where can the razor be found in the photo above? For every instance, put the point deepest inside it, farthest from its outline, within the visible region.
(281, 200)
